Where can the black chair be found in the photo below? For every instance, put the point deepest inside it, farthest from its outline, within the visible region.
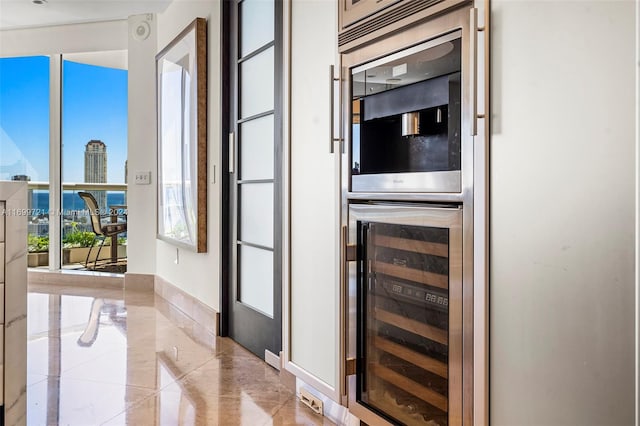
(102, 230)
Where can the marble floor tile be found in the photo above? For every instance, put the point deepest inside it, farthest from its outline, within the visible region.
(97, 357)
(232, 376)
(170, 408)
(62, 401)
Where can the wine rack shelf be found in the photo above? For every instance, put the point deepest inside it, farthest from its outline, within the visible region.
(434, 398)
(416, 246)
(416, 358)
(416, 327)
(411, 274)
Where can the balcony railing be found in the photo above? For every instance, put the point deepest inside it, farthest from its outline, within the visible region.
(81, 186)
(75, 219)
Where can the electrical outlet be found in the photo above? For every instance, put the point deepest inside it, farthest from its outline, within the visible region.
(142, 178)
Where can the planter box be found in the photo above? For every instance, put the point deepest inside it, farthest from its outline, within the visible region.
(37, 259)
(73, 255)
(79, 254)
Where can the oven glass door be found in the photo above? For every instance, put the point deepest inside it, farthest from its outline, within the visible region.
(409, 315)
(406, 120)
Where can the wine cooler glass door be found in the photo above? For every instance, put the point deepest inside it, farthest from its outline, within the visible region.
(409, 304)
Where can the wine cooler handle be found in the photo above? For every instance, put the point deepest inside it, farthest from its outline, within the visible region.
(332, 81)
(473, 49)
(344, 303)
(347, 254)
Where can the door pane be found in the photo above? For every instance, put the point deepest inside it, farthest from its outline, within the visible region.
(256, 278)
(24, 142)
(256, 21)
(256, 213)
(94, 155)
(256, 148)
(256, 84)
(405, 329)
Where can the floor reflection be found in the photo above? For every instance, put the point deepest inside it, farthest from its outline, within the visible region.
(96, 357)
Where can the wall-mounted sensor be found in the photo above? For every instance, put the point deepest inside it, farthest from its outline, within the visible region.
(410, 123)
(141, 31)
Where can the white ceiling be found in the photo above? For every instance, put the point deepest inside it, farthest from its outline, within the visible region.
(24, 14)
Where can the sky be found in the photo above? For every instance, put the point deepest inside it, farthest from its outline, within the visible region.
(94, 107)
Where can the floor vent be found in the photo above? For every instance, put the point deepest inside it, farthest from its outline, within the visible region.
(311, 401)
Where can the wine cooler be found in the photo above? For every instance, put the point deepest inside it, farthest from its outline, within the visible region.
(406, 313)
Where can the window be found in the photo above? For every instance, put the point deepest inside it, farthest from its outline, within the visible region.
(93, 152)
(24, 142)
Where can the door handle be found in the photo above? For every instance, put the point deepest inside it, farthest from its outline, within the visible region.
(332, 138)
(232, 152)
(473, 50)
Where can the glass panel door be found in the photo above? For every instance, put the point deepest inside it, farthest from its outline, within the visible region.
(255, 136)
(24, 142)
(94, 157)
(409, 317)
(254, 176)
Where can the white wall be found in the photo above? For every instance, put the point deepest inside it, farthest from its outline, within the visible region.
(562, 213)
(198, 273)
(141, 199)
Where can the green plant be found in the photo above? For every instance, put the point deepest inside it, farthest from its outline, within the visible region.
(78, 239)
(37, 244)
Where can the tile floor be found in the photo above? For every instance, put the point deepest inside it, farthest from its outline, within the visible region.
(96, 357)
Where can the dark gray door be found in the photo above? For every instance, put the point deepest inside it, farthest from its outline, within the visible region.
(253, 314)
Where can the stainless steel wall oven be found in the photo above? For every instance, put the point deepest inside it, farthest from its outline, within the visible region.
(406, 118)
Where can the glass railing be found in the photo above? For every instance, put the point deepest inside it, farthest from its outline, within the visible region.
(77, 233)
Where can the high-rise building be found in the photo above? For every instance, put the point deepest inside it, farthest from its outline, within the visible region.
(95, 168)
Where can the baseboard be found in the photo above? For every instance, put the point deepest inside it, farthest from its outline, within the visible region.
(139, 282)
(205, 317)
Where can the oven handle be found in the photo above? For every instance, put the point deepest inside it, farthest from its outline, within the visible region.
(473, 49)
(332, 81)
